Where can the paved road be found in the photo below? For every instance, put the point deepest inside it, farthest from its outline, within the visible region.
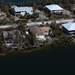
(49, 22)
(37, 23)
(8, 26)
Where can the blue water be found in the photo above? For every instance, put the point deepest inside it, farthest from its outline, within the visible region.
(47, 60)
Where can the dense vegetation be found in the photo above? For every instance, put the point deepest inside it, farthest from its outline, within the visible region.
(67, 4)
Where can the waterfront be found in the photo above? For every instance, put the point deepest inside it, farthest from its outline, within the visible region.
(47, 59)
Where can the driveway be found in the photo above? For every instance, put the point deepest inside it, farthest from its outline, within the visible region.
(67, 12)
(41, 15)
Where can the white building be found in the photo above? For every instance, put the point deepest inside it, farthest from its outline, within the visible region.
(21, 10)
(69, 27)
(54, 8)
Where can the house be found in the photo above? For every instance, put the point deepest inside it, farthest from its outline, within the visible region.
(7, 40)
(54, 8)
(9, 37)
(21, 10)
(45, 30)
(39, 32)
(69, 27)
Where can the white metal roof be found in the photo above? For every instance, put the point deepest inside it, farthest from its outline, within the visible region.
(22, 13)
(23, 9)
(70, 26)
(53, 7)
(13, 6)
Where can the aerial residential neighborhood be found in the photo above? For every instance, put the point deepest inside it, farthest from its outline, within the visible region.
(23, 27)
(37, 36)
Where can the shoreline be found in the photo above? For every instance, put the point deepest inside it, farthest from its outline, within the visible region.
(11, 52)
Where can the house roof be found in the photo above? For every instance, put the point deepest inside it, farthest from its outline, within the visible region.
(44, 28)
(35, 30)
(22, 13)
(22, 9)
(13, 6)
(53, 7)
(70, 26)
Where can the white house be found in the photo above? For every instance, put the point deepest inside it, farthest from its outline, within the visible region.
(69, 27)
(21, 10)
(54, 8)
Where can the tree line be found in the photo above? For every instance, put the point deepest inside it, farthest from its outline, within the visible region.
(42, 2)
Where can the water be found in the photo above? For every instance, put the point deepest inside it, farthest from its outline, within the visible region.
(18, 1)
(48, 59)
(15, 1)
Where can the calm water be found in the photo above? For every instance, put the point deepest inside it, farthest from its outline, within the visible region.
(16, 1)
(51, 60)
(48, 59)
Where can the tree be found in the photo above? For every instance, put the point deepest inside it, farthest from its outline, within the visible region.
(57, 33)
(10, 3)
(35, 15)
(31, 39)
(22, 28)
(1, 43)
(40, 7)
(1, 1)
(73, 1)
(5, 9)
(53, 25)
(49, 2)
